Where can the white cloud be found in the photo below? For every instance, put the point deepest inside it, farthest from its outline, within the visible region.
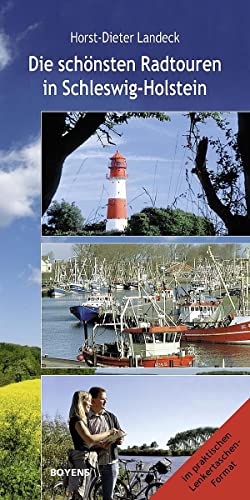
(5, 9)
(19, 182)
(35, 275)
(5, 50)
(8, 46)
(30, 28)
(30, 275)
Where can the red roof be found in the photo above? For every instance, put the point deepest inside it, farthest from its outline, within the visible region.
(117, 156)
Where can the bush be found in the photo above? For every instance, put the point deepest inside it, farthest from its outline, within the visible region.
(168, 222)
(56, 441)
(18, 363)
(64, 217)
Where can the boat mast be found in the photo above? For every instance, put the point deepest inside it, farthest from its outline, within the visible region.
(221, 277)
(247, 282)
(244, 269)
(75, 271)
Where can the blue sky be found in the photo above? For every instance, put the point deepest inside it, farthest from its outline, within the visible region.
(30, 27)
(153, 408)
(157, 162)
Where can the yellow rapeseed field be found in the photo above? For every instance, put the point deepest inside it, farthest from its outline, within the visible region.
(19, 395)
(20, 440)
(23, 401)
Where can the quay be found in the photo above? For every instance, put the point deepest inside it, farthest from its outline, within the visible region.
(49, 362)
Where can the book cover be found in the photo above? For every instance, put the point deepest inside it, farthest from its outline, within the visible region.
(99, 67)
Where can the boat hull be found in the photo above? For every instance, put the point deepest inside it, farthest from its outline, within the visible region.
(77, 289)
(126, 362)
(232, 334)
(57, 292)
(84, 313)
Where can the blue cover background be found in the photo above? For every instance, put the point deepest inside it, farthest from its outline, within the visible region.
(208, 30)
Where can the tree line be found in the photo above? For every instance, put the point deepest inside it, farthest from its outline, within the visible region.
(154, 254)
(18, 363)
(65, 218)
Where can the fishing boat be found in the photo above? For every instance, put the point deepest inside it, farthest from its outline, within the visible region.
(130, 285)
(117, 286)
(141, 341)
(235, 330)
(149, 348)
(98, 304)
(78, 288)
(60, 286)
(232, 329)
(98, 281)
(57, 291)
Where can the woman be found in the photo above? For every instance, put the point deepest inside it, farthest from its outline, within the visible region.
(81, 458)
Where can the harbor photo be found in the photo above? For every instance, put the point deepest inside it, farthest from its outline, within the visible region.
(145, 174)
(145, 306)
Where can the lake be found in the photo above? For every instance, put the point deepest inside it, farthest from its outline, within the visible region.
(177, 462)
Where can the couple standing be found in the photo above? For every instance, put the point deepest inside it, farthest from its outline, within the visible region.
(92, 428)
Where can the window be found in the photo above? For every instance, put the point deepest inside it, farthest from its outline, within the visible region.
(138, 338)
(170, 337)
(149, 338)
(158, 337)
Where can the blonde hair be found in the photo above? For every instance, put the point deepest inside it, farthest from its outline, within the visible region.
(77, 409)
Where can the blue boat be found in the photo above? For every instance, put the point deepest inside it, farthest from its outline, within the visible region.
(97, 304)
(84, 313)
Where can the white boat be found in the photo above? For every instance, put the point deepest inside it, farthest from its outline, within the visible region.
(198, 311)
(118, 286)
(57, 291)
(78, 287)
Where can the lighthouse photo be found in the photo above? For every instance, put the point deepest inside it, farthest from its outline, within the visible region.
(117, 219)
(143, 174)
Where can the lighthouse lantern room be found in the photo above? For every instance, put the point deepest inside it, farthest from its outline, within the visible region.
(117, 203)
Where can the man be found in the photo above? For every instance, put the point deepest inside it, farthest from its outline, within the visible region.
(100, 420)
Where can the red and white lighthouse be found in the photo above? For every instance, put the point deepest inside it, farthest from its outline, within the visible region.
(117, 203)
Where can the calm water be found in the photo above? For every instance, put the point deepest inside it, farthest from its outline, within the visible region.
(177, 462)
(62, 335)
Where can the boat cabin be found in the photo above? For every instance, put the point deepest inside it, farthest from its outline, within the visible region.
(167, 292)
(197, 311)
(146, 340)
(98, 300)
(78, 287)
